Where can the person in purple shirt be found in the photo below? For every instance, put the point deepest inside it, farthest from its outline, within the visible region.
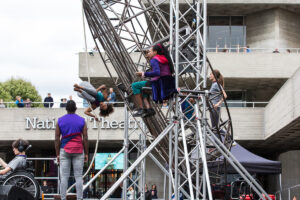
(71, 146)
(162, 81)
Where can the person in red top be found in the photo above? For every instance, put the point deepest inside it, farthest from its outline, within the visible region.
(162, 81)
(71, 146)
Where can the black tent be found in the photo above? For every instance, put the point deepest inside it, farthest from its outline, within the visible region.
(252, 162)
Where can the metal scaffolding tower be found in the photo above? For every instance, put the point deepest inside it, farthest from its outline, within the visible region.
(189, 149)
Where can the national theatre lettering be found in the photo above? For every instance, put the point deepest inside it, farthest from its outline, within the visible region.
(49, 124)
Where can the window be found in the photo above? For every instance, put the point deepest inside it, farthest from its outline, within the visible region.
(226, 33)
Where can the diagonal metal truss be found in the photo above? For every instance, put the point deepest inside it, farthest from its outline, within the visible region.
(123, 30)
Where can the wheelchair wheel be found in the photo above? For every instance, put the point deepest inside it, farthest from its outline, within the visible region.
(24, 180)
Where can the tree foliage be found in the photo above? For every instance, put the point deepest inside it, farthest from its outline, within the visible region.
(18, 87)
(4, 94)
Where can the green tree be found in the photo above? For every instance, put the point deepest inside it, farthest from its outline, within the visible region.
(20, 87)
(4, 94)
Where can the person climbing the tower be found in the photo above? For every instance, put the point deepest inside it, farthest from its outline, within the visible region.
(217, 95)
(162, 81)
(96, 97)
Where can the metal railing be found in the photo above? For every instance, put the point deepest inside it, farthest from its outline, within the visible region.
(56, 104)
(80, 104)
(279, 194)
(252, 50)
(42, 178)
(253, 104)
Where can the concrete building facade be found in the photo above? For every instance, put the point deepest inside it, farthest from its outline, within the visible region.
(258, 75)
(270, 129)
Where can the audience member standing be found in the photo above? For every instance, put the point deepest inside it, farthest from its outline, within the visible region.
(63, 103)
(248, 50)
(28, 103)
(154, 192)
(130, 194)
(112, 96)
(71, 146)
(147, 193)
(19, 102)
(48, 101)
(2, 105)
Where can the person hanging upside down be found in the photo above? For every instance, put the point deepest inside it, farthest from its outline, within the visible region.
(96, 97)
(162, 81)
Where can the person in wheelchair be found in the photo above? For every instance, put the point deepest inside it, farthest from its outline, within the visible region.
(19, 162)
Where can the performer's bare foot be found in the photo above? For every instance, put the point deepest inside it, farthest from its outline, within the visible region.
(77, 86)
(77, 89)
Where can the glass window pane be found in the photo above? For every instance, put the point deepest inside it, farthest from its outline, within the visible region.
(226, 32)
(219, 36)
(237, 36)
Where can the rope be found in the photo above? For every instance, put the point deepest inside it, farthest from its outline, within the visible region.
(93, 111)
(85, 44)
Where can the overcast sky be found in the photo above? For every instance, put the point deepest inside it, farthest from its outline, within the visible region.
(39, 42)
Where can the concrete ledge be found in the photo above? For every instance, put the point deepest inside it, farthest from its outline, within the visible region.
(232, 65)
(284, 107)
(247, 123)
(255, 65)
(36, 124)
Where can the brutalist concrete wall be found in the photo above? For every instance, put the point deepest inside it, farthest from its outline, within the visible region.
(290, 173)
(273, 28)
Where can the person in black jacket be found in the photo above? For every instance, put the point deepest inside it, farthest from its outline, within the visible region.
(153, 191)
(48, 101)
(147, 193)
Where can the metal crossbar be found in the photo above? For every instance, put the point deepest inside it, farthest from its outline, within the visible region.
(124, 30)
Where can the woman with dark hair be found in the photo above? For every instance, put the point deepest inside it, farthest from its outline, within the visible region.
(217, 93)
(162, 81)
(96, 97)
(153, 191)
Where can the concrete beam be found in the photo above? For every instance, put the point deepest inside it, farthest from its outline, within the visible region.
(284, 107)
(37, 124)
(247, 123)
(232, 65)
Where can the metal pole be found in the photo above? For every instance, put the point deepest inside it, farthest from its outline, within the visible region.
(280, 187)
(235, 164)
(196, 108)
(171, 132)
(186, 156)
(176, 100)
(143, 164)
(137, 162)
(124, 190)
(170, 163)
(165, 186)
(85, 44)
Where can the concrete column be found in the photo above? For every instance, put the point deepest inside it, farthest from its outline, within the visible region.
(290, 172)
(273, 28)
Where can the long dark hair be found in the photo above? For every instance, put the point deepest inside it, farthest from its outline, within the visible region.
(219, 77)
(106, 112)
(161, 50)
